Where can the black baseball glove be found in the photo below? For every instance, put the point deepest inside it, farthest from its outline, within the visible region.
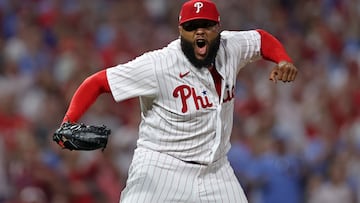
(75, 136)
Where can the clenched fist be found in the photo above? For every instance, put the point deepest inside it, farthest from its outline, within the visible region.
(283, 71)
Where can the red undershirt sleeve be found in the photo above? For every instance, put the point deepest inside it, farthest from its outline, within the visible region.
(271, 48)
(86, 95)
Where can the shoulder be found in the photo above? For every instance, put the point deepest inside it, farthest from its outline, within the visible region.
(241, 43)
(168, 56)
(246, 35)
(154, 56)
(173, 48)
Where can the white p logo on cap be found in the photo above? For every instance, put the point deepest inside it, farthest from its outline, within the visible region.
(198, 9)
(198, 6)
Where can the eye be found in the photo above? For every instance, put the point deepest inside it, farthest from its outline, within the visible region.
(193, 25)
(189, 26)
(208, 24)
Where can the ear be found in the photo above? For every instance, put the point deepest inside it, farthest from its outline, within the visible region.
(217, 27)
(180, 29)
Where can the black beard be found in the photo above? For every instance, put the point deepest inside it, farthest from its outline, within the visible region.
(188, 49)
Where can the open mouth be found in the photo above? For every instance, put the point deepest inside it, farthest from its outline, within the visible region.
(200, 43)
(200, 48)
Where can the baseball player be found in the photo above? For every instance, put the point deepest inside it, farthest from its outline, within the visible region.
(186, 93)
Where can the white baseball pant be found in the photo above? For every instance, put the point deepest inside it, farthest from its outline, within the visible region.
(157, 177)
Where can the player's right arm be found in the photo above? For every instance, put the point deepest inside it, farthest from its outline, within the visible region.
(133, 79)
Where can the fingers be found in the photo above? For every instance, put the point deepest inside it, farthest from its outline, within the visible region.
(285, 72)
(293, 76)
(274, 75)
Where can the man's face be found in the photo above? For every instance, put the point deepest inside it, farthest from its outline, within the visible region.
(200, 41)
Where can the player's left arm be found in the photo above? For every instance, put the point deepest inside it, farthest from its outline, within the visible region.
(86, 95)
(272, 50)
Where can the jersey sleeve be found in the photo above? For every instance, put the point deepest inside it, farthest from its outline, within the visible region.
(242, 46)
(271, 48)
(133, 79)
(86, 95)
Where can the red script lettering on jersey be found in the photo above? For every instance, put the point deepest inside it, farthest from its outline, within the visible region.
(229, 94)
(186, 92)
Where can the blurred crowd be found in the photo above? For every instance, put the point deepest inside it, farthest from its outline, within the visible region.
(291, 143)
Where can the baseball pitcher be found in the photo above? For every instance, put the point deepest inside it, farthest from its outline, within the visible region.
(186, 93)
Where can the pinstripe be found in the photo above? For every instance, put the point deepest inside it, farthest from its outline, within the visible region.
(159, 67)
(176, 185)
(175, 121)
(222, 184)
(208, 186)
(214, 186)
(184, 187)
(153, 176)
(165, 178)
(167, 62)
(228, 175)
(146, 184)
(217, 181)
(219, 177)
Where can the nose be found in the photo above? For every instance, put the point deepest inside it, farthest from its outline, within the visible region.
(200, 31)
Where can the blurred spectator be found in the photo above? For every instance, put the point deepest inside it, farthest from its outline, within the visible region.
(4, 182)
(239, 156)
(334, 188)
(48, 47)
(275, 173)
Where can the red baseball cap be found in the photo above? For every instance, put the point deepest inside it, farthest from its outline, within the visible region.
(198, 9)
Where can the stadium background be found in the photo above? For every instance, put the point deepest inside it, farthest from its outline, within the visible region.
(297, 142)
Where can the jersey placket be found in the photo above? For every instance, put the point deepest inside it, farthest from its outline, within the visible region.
(218, 84)
(217, 80)
(206, 82)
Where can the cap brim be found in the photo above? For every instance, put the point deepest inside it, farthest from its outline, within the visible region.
(198, 18)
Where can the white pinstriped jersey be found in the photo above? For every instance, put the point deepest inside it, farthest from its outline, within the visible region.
(181, 113)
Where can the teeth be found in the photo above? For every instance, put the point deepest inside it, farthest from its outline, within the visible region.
(200, 43)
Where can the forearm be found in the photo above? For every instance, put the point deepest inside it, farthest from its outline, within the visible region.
(86, 95)
(271, 48)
